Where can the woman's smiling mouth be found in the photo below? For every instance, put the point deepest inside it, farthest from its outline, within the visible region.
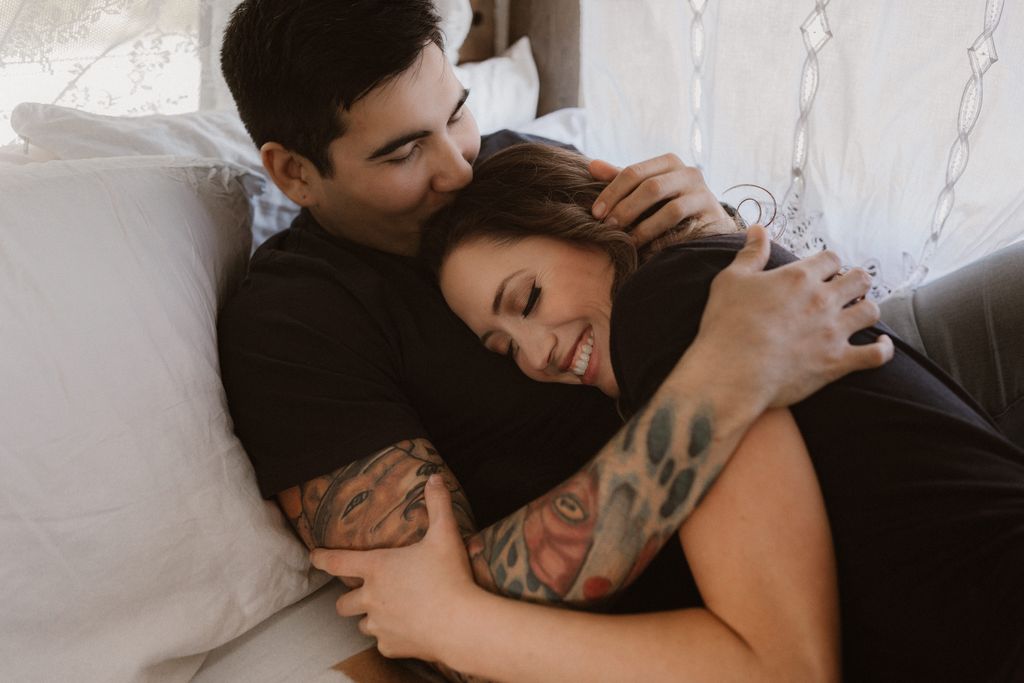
(578, 360)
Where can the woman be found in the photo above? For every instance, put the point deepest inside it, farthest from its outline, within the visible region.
(924, 497)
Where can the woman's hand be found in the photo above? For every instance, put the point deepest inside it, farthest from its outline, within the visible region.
(408, 594)
(635, 189)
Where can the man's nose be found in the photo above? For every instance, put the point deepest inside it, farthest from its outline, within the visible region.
(453, 171)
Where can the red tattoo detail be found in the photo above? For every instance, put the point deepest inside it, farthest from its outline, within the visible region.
(596, 587)
(558, 531)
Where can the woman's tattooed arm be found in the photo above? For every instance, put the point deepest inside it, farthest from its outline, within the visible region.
(593, 535)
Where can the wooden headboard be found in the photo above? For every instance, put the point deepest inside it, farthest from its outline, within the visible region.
(554, 30)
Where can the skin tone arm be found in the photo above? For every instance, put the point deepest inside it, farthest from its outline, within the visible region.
(761, 556)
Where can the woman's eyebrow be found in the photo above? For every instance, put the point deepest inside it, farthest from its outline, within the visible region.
(501, 291)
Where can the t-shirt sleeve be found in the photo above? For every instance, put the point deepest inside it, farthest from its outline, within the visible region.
(499, 140)
(312, 381)
(656, 315)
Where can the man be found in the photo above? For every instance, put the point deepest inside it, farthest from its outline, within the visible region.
(349, 380)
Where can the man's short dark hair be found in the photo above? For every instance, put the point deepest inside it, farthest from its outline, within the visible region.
(291, 64)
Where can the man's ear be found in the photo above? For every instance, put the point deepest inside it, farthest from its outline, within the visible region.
(291, 172)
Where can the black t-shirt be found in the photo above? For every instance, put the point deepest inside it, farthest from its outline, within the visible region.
(925, 498)
(331, 351)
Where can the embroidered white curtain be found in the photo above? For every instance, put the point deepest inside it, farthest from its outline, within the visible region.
(130, 57)
(890, 131)
(112, 56)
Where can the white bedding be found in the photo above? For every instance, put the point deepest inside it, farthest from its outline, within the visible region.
(300, 643)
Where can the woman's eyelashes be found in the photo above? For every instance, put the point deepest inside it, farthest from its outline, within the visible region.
(531, 301)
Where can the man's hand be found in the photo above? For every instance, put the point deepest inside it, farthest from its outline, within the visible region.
(784, 333)
(407, 593)
(637, 188)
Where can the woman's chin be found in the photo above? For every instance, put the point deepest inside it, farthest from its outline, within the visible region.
(606, 385)
(609, 388)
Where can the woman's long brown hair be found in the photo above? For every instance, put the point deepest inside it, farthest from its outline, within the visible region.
(528, 190)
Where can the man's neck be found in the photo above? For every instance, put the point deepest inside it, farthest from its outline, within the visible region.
(387, 241)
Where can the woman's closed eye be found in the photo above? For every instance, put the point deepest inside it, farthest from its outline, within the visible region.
(531, 301)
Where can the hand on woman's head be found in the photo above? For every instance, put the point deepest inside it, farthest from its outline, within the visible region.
(653, 197)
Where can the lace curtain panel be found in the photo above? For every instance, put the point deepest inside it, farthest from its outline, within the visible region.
(888, 131)
(111, 56)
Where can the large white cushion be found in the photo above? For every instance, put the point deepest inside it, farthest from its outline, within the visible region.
(73, 134)
(133, 536)
(504, 90)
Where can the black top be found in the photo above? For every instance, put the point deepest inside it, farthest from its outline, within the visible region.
(331, 351)
(924, 496)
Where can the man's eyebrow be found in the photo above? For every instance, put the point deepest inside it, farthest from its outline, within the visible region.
(501, 291)
(392, 145)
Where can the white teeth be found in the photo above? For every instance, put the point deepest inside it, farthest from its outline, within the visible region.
(583, 360)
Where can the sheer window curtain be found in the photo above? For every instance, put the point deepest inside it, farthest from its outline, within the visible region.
(890, 132)
(112, 56)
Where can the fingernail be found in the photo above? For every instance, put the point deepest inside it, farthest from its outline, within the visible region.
(611, 222)
(313, 555)
(599, 210)
(434, 480)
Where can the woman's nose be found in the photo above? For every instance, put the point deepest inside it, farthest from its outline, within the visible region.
(535, 354)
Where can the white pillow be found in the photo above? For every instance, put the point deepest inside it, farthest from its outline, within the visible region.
(568, 125)
(73, 134)
(23, 153)
(133, 536)
(503, 90)
(456, 20)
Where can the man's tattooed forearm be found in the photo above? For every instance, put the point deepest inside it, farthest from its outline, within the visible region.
(593, 535)
(375, 502)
